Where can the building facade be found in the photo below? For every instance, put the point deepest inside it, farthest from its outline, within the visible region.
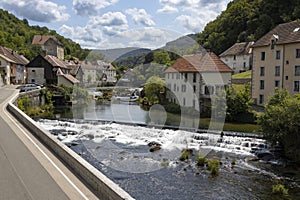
(194, 78)
(50, 44)
(276, 62)
(238, 57)
(44, 70)
(107, 72)
(12, 67)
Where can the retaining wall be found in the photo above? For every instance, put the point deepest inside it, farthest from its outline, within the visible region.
(103, 187)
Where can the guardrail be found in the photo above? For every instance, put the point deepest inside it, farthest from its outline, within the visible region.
(102, 186)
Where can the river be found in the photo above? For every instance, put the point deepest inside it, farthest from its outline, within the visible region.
(122, 152)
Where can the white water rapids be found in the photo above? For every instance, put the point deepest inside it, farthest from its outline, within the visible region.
(125, 147)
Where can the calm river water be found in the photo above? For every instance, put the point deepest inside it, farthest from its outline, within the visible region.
(122, 152)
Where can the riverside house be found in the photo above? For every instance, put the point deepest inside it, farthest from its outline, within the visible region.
(276, 62)
(45, 70)
(193, 79)
(12, 67)
(238, 57)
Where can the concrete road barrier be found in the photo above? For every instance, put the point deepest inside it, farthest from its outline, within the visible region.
(102, 186)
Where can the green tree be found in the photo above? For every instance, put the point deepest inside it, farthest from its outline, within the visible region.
(154, 88)
(238, 104)
(161, 57)
(281, 122)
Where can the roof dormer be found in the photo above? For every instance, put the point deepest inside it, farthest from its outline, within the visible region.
(274, 39)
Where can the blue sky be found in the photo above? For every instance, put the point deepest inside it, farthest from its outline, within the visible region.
(118, 23)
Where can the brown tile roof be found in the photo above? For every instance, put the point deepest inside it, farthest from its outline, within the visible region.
(56, 62)
(238, 49)
(285, 33)
(203, 62)
(12, 56)
(71, 78)
(42, 39)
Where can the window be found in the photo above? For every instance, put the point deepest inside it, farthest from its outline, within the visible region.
(297, 70)
(234, 57)
(185, 77)
(194, 88)
(263, 55)
(183, 88)
(277, 55)
(262, 71)
(272, 44)
(277, 83)
(194, 77)
(244, 65)
(183, 101)
(297, 53)
(296, 86)
(277, 70)
(261, 99)
(174, 87)
(33, 70)
(262, 84)
(209, 90)
(32, 80)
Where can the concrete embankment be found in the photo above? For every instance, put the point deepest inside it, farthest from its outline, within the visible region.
(103, 187)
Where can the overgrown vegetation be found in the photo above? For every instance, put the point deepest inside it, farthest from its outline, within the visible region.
(213, 166)
(281, 122)
(280, 191)
(18, 34)
(43, 110)
(246, 21)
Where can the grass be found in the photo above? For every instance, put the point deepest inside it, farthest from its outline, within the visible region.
(201, 160)
(213, 166)
(280, 190)
(246, 74)
(186, 154)
(238, 87)
(237, 127)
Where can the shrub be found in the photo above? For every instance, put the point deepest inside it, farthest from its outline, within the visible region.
(185, 155)
(213, 166)
(279, 189)
(201, 160)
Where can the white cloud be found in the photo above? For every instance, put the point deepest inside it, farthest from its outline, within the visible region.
(191, 22)
(36, 10)
(140, 16)
(167, 9)
(91, 7)
(110, 19)
(194, 13)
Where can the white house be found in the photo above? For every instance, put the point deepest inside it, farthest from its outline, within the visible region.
(192, 79)
(238, 57)
(107, 72)
(12, 67)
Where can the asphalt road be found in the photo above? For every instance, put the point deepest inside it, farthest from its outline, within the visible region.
(28, 170)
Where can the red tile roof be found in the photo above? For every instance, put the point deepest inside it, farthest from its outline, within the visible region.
(42, 39)
(202, 62)
(284, 33)
(12, 56)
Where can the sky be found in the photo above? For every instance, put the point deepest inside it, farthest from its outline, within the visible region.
(106, 24)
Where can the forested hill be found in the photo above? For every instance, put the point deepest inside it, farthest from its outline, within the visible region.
(18, 34)
(246, 20)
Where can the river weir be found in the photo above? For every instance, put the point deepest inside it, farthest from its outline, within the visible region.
(123, 152)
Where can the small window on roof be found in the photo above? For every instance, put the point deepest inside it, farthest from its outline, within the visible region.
(296, 29)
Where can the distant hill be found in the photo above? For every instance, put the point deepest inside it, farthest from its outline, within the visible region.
(18, 34)
(246, 20)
